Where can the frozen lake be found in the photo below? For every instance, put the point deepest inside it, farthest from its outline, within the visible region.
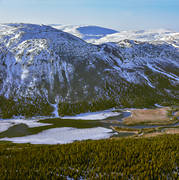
(58, 130)
(63, 135)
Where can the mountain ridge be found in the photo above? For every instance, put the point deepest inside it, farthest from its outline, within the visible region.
(165, 35)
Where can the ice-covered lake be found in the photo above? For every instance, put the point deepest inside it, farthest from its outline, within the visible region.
(57, 132)
(63, 135)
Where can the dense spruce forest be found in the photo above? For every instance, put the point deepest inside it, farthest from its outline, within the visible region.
(117, 158)
(135, 96)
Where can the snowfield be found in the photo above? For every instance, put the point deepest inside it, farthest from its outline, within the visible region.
(144, 36)
(93, 115)
(63, 136)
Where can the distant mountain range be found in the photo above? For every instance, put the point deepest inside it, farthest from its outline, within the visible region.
(86, 32)
(42, 67)
(99, 35)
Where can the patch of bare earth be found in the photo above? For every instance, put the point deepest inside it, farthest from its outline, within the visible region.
(166, 131)
(149, 116)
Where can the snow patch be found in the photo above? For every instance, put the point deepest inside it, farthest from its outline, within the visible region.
(158, 105)
(55, 106)
(5, 126)
(25, 73)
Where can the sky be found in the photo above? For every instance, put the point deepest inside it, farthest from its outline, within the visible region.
(116, 14)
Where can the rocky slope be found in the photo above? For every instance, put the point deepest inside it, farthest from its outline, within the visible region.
(41, 66)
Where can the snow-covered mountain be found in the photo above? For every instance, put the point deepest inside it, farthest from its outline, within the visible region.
(144, 36)
(86, 32)
(43, 67)
(99, 35)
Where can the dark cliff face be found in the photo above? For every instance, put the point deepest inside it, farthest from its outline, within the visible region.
(40, 64)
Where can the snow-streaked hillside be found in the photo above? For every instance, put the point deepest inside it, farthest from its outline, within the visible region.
(41, 62)
(28, 51)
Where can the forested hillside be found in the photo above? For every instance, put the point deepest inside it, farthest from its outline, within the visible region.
(127, 158)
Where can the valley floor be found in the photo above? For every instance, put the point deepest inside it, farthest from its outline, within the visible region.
(95, 126)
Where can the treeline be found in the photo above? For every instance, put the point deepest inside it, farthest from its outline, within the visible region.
(27, 107)
(143, 158)
(119, 94)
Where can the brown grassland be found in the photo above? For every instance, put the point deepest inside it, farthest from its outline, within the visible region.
(157, 116)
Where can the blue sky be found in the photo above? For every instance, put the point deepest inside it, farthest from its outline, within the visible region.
(117, 14)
